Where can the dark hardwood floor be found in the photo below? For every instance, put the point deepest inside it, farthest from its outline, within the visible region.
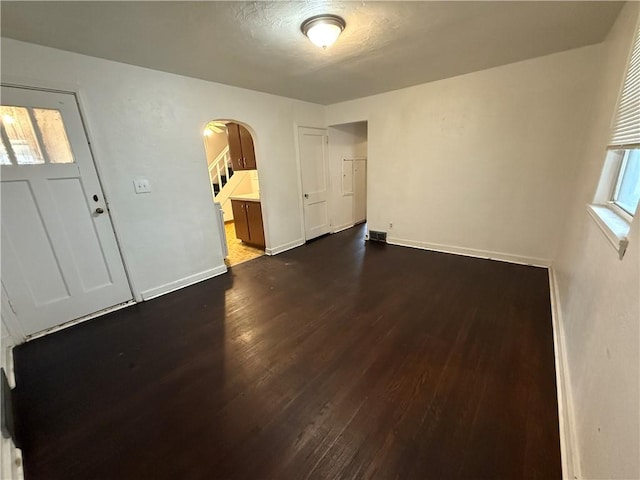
(336, 360)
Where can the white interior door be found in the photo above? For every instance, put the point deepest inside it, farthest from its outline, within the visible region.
(359, 190)
(314, 170)
(60, 259)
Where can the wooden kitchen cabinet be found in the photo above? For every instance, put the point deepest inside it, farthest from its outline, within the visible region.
(241, 150)
(254, 219)
(247, 218)
(240, 221)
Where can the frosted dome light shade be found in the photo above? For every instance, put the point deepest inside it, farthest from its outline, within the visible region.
(323, 34)
(323, 30)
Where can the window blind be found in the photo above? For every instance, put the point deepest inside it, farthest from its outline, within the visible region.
(626, 130)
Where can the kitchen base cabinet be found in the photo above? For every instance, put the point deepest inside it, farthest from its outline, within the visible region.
(254, 219)
(247, 217)
(240, 220)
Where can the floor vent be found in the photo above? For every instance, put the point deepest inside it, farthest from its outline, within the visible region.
(377, 236)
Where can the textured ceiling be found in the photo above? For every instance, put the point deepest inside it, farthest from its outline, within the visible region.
(258, 45)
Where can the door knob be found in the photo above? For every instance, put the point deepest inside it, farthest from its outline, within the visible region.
(306, 195)
(99, 210)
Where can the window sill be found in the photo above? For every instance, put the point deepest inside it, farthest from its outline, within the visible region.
(614, 226)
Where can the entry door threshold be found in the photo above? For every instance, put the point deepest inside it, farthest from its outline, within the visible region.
(71, 323)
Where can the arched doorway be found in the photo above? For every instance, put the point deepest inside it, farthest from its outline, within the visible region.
(235, 188)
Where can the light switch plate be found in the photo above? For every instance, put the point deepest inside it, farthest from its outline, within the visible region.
(142, 185)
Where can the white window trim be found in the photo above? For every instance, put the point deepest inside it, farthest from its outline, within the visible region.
(614, 227)
(620, 212)
(612, 220)
(621, 170)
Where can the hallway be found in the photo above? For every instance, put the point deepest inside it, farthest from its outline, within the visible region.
(239, 252)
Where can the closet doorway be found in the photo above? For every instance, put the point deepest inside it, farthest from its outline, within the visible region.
(235, 189)
(348, 163)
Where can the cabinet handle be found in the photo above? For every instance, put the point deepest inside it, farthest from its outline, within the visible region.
(244, 162)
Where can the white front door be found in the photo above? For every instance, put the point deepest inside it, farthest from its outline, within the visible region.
(60, 259)
(314, 170)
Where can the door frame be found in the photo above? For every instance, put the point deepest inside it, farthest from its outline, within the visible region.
(352, 194)
(256, 142)
(296, 129)
(365, 160)
(76, 91)
(296, 144)
(9, 318)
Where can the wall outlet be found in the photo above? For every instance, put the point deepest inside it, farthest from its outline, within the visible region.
(390, 224)
(142, 185)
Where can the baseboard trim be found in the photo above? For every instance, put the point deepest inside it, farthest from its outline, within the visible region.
(568, 445)
(284, 247)
(9, 366)
(11, 461)
(71, 323)
(342, 227)
(470, 252)
(183, 282)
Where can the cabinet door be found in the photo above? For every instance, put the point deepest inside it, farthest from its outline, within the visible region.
(254, 218)
(248, 152)
(240, 220)
(235, 146)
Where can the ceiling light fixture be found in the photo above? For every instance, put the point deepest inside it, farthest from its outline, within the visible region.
(214, 127)
(323, 30)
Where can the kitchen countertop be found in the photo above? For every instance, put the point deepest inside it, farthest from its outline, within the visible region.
(246, 197)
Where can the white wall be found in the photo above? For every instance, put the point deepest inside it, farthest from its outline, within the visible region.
(215, 143)
(482, 160)
(9, 454)
(345, 141)
(599, 296)
(146, 123)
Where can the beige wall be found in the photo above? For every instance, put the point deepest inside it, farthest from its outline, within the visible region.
(482, 161)
(215, 143)
(599, 295)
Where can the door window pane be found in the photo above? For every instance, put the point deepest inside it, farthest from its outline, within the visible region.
(24, 143)
(53, 135)
(628, 191)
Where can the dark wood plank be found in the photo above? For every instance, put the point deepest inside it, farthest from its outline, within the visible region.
(339, 359)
